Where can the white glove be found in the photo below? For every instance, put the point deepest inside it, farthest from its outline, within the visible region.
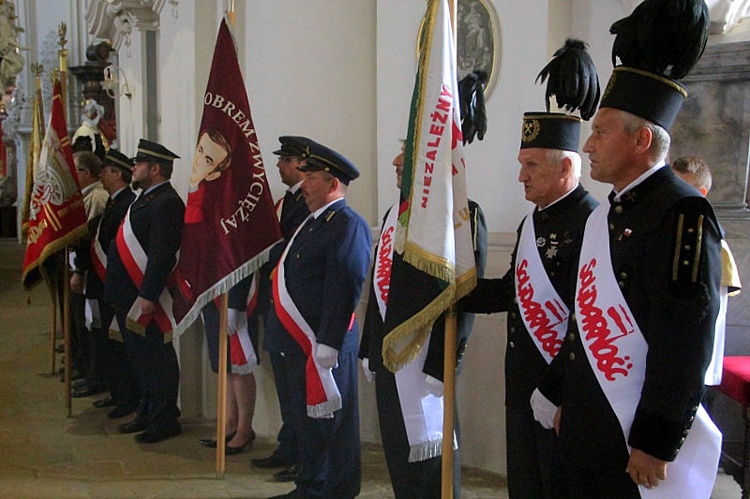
(369, 375)
(544, 410)
(327, 357)
(236, 320)
(434, 386)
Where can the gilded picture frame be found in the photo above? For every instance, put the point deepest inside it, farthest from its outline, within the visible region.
(478, 33)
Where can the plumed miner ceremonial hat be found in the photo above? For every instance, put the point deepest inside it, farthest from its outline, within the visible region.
(658, 43)
(152, 151)
(322, 158)
(572, 80)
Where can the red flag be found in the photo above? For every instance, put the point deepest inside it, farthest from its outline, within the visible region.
(57, 216)
(230, 222)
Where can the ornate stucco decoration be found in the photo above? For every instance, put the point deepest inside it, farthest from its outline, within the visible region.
(115, 19)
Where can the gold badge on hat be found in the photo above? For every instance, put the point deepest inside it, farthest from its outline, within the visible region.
(531, 129)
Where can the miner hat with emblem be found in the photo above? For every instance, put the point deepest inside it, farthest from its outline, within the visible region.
(572, 80)
(154, 152)
(118, 160)
(656, 45)
(294, 146)
(322, 158)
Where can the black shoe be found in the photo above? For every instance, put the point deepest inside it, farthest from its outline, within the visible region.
(211, 443)
(105, 402)
(272, 461)
(232, 451)
(134, 426)
(153, 435)
(120, 412)
(295, 494)
(288, 475)
(88, 391)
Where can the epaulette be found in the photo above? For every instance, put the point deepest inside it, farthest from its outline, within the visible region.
(329, 216)
(689, 233)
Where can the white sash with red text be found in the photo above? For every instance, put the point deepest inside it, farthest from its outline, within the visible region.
(616, 350)
(323, 396)
(421, 411)
(134, 259)
(544, 313)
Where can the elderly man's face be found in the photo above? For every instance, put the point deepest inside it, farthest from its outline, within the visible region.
(610, 147)
(543, 180)
(208, 156)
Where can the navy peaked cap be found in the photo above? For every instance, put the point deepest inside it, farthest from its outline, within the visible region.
(152, 151)
(296, 146)
(325, 159)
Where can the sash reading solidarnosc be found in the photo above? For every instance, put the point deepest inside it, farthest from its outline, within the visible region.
(322, 394)
(616, 350)
(134, 259)
(543, 312)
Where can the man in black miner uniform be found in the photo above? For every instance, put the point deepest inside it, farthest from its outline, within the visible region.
(155, 225)
(420, 478)
(536, 291)
(317, 285)
(109, 355)
(276, 341)
(550, 167)
(629, 379)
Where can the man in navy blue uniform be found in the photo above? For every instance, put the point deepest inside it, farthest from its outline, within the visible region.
(276, 341)
(316, 288)
(141, 259)
(109, 354)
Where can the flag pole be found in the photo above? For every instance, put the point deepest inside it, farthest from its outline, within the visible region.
(63, 69)
(221, 419)
(449, 359)
(221, 409)
(34, 149)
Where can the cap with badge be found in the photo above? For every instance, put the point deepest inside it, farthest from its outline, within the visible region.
(572, 80)
(322, 158)
(657, 44)
(294, 146)
(118, 160)
(154, 152)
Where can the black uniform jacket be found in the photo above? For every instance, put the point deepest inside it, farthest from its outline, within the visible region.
(665, 251)
(157, 219)
(371, 345)
(559, 231)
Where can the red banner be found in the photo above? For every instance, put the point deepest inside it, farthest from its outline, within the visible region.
(57, 217)
(230, 222)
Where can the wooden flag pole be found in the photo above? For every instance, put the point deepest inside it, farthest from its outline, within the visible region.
(63, 60)
(449, 362)
(221, 409)
(449, 401)
(221, 402)
(53, 334)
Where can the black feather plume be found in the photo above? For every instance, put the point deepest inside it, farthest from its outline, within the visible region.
(572, 79)
(666, 37)
(471, 100)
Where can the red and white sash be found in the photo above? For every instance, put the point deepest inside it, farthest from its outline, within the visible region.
(242, 355)
(616, 350)
(323, 396)
(422, 412)
(543, 312)
(134, 259)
